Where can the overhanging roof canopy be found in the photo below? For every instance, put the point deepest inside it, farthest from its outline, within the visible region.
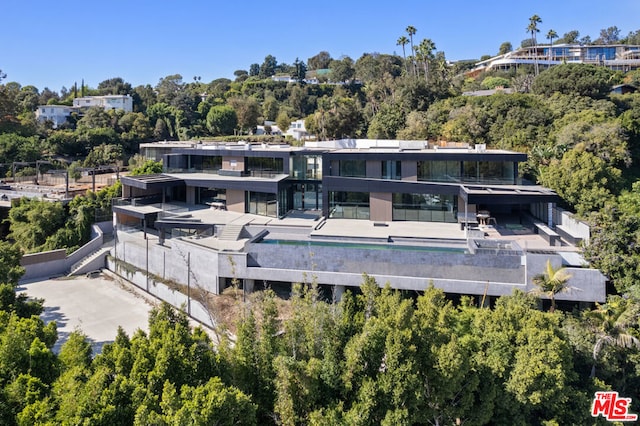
(507, 194)
(156, 181)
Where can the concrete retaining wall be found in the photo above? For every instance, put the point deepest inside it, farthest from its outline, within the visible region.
(584, 284)
(491, 274)
(402, 263)
(56, 262)
(178, 260)
(162, 292)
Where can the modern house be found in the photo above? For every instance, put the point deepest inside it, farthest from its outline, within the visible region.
(351, 179)
(107, 102)
(297, 130)
(56, 114)
(410, 213)
(617, 57)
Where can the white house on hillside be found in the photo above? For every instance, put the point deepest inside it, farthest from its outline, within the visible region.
(297, 130)
(57, 114)
(268, 125)
(124, 102)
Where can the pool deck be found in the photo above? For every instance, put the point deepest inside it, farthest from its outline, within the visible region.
(305, 225)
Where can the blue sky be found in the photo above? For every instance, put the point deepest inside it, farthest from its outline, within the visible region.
(56, 43)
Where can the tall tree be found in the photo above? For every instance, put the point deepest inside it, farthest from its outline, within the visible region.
(10, 269)
(268, 67)
(222, 120)
(342, 70)
(505, 47)
(247, 111)
(534, 30)
(612, 323)
(169, 87)
(424, 54)
(411, 31)
(319, 61)
(299, 70)
(254, 69)
(550, 36)
(115, 86)
(570, 37)
(609, 35)
(403, 41)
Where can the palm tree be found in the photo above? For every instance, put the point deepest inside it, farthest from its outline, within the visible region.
(411, 30)
(533, 29)
(424, 53)
(552, 282)
(403, 41)
(612, 322)
(550, 36)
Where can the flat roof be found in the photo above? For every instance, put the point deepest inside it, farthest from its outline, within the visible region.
(159, 180)
(507, 194)
(140, 212)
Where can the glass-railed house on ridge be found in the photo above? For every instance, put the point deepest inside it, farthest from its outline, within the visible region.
(350, 179)
(617, 57)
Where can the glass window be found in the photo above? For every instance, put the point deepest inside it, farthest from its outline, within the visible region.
(439, 171)
(262, 203)
(306, 167)
(349, 205)
(211, 196)
(263, 166)
(353, 168)
(211, 164)
(392, 170)
(425, 207)
(490, 172)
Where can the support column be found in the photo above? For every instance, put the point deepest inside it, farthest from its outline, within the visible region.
(550, 215)
(249, 285)
(338, 290)
(220, 287)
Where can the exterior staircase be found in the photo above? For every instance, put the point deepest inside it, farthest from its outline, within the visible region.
(231, 232)
(94, 261)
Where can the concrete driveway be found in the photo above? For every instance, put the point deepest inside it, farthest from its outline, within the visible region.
(96, 306)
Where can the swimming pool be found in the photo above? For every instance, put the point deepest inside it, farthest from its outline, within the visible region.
(366, 246)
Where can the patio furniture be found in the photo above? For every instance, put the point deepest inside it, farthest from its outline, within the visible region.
(482, 217)
(467, 220)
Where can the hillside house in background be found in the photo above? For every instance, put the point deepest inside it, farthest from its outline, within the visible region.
(297, 130)
(107, 102)
(58, 114)
(617, 57)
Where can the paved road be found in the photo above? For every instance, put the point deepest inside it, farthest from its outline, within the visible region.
(96, 306)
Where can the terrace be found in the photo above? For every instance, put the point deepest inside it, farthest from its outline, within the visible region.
(488, 260)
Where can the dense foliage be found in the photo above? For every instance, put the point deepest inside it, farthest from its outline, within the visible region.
(378, 357)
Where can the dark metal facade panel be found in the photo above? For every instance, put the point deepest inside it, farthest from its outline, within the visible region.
(274, 153)
(510, 198)
(463, 155)
(337, 183)
(240, 184)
